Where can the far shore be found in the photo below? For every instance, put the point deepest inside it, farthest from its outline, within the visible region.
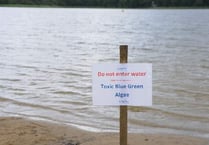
(57, 6)
(19, 131)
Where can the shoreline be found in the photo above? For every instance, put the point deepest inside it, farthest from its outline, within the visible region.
(21, 131)
(77, 7)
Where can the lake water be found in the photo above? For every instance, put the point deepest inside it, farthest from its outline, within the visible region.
(46, 57)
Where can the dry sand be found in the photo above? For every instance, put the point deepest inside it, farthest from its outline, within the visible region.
(19, 131)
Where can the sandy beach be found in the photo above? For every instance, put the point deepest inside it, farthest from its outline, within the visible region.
(19, 131)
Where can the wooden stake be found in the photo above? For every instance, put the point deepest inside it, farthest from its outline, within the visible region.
(123, 109)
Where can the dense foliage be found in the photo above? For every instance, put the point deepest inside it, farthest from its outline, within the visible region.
(112, 3)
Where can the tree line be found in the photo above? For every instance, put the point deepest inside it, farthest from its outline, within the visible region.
(111, 3)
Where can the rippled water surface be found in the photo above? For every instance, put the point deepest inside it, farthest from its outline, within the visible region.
(46, 57)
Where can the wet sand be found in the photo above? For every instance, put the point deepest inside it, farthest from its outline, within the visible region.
(19, 131)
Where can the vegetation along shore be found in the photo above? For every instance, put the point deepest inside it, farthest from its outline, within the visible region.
(108, 3)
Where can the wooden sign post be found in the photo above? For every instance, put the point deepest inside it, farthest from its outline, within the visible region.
(121, 85)
(123, 109)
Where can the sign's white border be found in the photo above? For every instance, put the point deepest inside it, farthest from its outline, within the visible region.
(122, 84)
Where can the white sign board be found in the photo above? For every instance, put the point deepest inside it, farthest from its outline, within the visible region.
(122, 84)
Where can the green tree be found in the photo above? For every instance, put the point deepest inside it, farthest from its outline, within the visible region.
(123, 3)
(198, 3)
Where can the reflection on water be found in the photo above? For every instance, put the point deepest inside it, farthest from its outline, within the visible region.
(46, 57)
